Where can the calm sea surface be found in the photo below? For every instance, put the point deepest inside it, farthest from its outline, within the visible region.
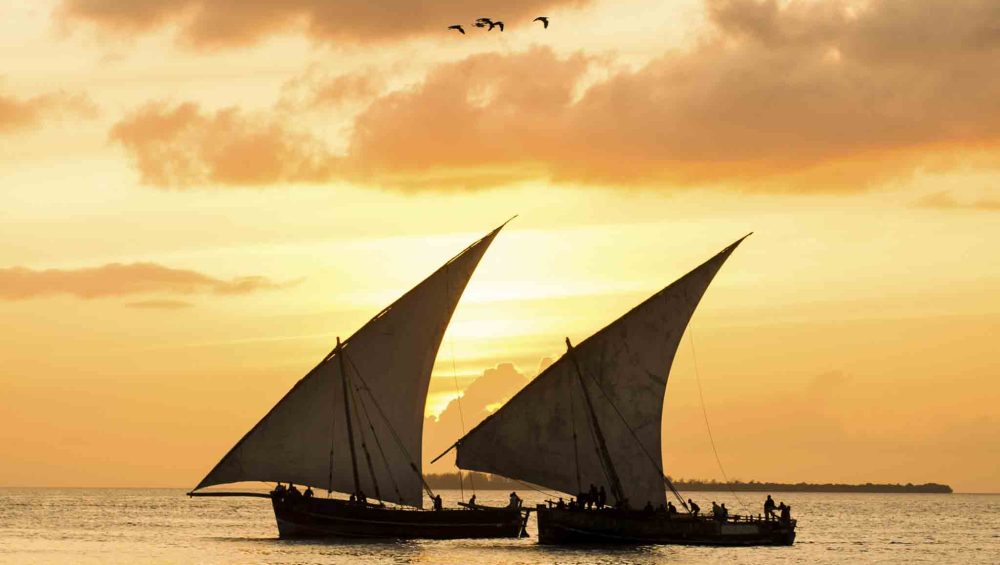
(164, 526)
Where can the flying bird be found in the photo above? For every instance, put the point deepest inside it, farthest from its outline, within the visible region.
(457, 27)
(483, 21)
(495, 24)
(543, 19)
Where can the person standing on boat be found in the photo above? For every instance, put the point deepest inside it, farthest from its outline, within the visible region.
(769, 508)
(592, 496)
(602, 498)
(515, 501)
(438, 505)
(715, 510)
(695, 509)
(309, 492)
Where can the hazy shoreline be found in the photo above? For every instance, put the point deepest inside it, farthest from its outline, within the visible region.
(491, 482)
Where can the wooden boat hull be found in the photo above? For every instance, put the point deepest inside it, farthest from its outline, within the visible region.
(556, 526)
(300, 517)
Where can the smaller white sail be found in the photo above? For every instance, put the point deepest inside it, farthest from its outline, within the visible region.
(546, 434)
(305, 439)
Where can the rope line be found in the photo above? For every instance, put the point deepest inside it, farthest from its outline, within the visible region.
(704, 412)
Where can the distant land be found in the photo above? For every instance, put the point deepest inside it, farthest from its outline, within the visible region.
(483, 481)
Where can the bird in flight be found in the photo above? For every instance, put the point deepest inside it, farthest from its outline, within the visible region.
(495, 24)
(543, 19)
(457, 27)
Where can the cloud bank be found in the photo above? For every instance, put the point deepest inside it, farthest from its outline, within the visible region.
(117, 279)
(797, 96)
(231, 23)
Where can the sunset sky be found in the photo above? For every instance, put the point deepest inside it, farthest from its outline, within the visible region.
(199, 196)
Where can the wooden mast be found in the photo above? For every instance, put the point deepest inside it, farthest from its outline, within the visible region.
(602, 446)
(347, 415)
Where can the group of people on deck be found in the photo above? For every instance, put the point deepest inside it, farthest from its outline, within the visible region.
(594, 498)
(291, 492)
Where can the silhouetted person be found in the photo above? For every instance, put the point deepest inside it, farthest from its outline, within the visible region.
(561, 505)
(457, 28)
(279, 491)
(671, 509)
(472, 500)
(544, 20)
(602, 498)
(353, 499)
(695, 509)
(724, 512)
(715, 510)
(292, 491)
(592, 496)
(769, 508)
(515, 501)
(786, 512)
(648, 508)
(438, 505)
(309, 492)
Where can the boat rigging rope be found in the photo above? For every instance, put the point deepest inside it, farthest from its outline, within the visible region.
(392, 430)
(378, 444)
(708, 427)
(458, 394)
(635, 436)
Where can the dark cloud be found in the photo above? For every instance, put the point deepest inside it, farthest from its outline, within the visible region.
(117, 279)
(227, 23)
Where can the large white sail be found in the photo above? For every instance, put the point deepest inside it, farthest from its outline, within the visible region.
(546, 434)
(304, 439)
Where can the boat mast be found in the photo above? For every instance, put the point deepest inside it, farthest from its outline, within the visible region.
(602, 446)
(347, 415)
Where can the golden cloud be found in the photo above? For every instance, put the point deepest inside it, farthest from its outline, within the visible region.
(179, 146)
(117, 279)
(944, 200)
(793, 96)
(227, 23)
(18, 114)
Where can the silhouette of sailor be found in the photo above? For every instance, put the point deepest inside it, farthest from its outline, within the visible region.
(648, 508)
(472, 500)
(438, 505)
(769, 508)
(695, 509)
(292, 491)
(515, 501)
(592, 496)
(602, 498)
(309, 492)
(561, 505)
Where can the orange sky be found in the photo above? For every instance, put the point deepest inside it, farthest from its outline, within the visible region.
(200, 195)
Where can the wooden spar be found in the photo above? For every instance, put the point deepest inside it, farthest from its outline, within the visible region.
(347, 414)
(616, 484)
(246, 494)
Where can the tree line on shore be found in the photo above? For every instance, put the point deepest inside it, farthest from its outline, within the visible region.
(486, 481)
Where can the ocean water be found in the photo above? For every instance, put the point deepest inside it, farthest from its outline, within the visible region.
(164, 526)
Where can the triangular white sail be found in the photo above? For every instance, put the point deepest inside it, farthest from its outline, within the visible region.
(304, 438)
(540, 434)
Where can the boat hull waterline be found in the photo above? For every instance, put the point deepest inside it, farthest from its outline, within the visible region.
(559, 526)
(328, 518)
